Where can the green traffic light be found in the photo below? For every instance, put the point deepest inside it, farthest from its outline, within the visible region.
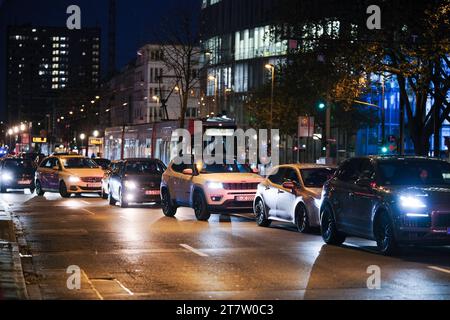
(321, 105)
(384, 150)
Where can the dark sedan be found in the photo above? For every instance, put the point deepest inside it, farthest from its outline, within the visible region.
(136, 181)
(16, 173)
(392, 200)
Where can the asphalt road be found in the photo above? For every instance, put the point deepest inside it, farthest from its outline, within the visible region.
(137, 253)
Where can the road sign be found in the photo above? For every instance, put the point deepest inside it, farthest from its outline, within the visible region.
(305, 127)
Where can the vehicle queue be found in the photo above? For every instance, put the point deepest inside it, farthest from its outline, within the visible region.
(393, 200)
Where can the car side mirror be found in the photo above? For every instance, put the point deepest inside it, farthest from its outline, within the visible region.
(289, 185)
(255, 170)
(188, 172)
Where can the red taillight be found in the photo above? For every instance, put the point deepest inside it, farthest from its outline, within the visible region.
(373, 185)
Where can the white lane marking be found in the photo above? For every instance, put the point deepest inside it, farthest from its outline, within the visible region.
(92, 285)
(124, 288)
(439, 269)
(198, 252)
(88, 211)
(85, 202)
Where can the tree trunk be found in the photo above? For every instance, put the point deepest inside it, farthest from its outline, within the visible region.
(420, 140)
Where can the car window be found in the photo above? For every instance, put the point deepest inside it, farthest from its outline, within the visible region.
(179, 167)
(316, 177)
(18, 164)
(349, 171)
(79, 163)
(277, 177)
(143, 167)
(367, 170)
(291, 175)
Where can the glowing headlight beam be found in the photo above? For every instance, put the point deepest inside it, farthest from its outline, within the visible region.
(411, 202)
(215, 185)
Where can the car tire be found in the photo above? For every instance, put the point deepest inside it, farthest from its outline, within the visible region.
(328, 229)
(168, 208)
(123, 202)
(301, 219)
(63, 190)
(103, 194)
(111, 200)
(200, 207)
(32, 190)
(384, 235)
(39, 190)
(261, 214)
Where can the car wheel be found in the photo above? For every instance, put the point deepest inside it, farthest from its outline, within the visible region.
(63, 190)
(111, 199)
(39, 190)
(32, 190)
(330, 234)
(301, 219)
(384, 235)
(200, 207)
(260, 213)
(103, 194)
(123, 202)
(168, 208)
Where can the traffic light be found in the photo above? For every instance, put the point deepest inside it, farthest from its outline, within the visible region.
(384, 149)
(390, 146)
(321, 106)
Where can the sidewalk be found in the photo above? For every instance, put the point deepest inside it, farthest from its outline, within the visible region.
(12, 282)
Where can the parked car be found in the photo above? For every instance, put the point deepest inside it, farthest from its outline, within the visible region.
(292, 193)
(136, 181)
(68, 175)
(392, 200)
(103, 163)
(113, 166)
(216, 188)
(16, 173)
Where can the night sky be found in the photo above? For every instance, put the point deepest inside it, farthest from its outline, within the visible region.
(137, 21)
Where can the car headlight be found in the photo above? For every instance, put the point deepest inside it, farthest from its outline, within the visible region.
(215, 185)
(412, 202)
(130, 185)
(7, 177)
(74, 179)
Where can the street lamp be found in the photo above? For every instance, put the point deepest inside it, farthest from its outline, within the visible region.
(271, 67)
(213, 78)
(96, 133)
(22, 127)
(82, 137)
(16, 129)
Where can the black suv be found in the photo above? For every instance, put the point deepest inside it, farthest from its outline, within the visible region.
(392, 200)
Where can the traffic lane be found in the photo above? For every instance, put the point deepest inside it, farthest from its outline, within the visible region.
(237, 260)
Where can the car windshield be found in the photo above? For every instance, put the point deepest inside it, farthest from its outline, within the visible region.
(78, 163)
(225, 168)
(316, 177)
(143, 167)
(19, 164)
(414, 172)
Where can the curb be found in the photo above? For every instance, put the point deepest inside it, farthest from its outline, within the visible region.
(7, 235)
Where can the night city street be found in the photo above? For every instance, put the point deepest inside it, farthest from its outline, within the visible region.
(204, 159)
(137, 253)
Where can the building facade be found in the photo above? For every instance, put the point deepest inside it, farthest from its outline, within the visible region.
(137, 94)
(43, 62)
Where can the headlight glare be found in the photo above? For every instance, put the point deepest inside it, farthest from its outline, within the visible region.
(7, 177)
(130, 185)
(74, 179)
(215, 185)
(412, 202)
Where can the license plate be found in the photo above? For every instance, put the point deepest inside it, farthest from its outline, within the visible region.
(24, 181)
(245, 198)
(152, 192)
(94, 185)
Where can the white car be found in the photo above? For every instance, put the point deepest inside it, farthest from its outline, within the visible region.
(68, 175)
(292, 193)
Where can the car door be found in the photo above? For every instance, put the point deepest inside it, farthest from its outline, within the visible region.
(115, 180)
(174, 180)
(364, 199)
(285, 197)
(343, 191)
(54, 173)
(44, 173)
(271, 190)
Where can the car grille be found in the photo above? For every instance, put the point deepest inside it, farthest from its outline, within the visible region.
(240, 186)
(91, 179)
(441, 219)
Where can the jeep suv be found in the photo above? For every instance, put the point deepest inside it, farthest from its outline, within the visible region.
(216, 188)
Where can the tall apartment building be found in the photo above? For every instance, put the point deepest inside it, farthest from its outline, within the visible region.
(42, 62)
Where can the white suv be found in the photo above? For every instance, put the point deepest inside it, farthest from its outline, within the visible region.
(208, 189)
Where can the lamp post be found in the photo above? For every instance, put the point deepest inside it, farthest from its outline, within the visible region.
(213, 78)
(82, 137)
(271, 67)
(157, 99)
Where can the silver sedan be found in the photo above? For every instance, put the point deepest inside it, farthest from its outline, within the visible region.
(292, 193)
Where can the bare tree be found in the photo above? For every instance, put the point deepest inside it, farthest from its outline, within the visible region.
(181, 52)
